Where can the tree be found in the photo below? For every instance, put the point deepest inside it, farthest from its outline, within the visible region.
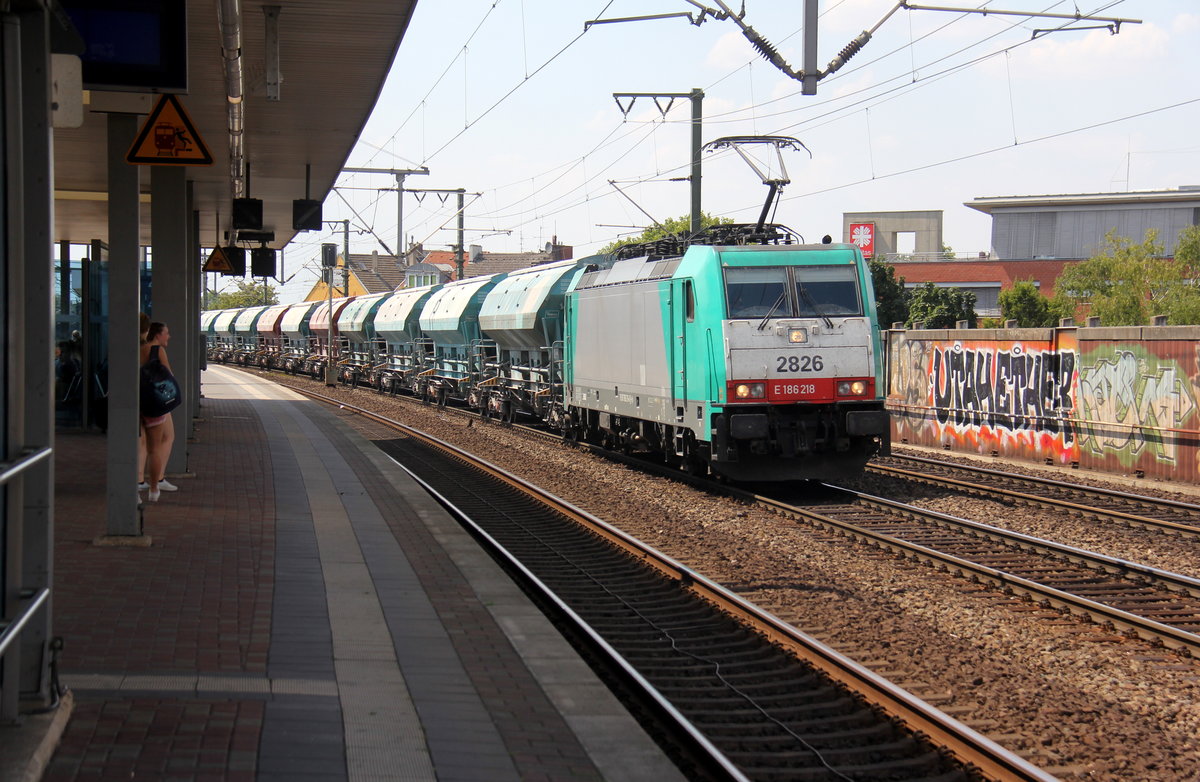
(248, 294)
(1181, 302)
(1025, 304)
(940, 308)
(891, 299)
(672, 225)
(1126, 282)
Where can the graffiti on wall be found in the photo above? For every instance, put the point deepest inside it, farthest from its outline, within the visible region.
(1014, 389)
(1129, 400)
(1011, 396)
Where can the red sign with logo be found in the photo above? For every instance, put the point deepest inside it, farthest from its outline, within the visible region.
(862, 236)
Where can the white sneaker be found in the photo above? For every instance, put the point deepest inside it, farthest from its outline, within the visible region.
(152, 496)
(143, 486)
(165, 485)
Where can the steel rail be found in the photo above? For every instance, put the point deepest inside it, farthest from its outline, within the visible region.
(1187, 507)
(1145, 521)
(630, 674)
(1123, 567)
(1122, 620)
(972, 748)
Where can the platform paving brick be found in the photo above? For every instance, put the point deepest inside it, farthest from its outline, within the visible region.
(296, 618)
(196, 602)
(497, 674)
(143, 738)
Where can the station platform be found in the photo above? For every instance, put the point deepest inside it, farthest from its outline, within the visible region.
(305, 611)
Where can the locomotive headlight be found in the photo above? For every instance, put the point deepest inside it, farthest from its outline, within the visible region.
(796, 336)
(750, 390)
(852, 388)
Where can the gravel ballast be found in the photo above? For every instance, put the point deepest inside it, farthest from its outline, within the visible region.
(1074, 698)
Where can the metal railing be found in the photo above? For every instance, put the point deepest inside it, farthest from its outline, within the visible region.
(11, 629)
(931, 257)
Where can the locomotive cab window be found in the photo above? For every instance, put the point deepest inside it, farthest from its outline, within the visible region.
(827, 290)
(757, 292)
(795, 291)
(689, 301)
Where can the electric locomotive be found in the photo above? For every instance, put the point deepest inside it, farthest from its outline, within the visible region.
(738, 350)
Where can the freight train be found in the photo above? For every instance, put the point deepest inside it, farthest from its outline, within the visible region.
(738, 350)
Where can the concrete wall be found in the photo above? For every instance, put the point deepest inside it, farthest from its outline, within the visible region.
(1122, 400)
(927, 225)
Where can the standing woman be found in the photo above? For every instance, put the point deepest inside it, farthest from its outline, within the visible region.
(143, 329)
(160, 430)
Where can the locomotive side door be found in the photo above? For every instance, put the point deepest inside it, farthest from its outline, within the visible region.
(682, 311)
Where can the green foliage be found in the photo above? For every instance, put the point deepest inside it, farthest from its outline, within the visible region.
(1127, 283)
(1180, 302)
(940, 308)
(891, 299)
(1025, 304)
(248, 294)
(672, 225)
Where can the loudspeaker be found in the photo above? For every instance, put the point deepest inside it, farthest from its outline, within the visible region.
(237, 260)
(262, 262)
(247, 213)
(306, 215)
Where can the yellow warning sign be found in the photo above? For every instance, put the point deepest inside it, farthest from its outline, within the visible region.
(218, 261)
(168, 138)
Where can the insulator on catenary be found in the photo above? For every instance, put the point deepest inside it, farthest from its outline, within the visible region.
(851, 49)
(766, 50)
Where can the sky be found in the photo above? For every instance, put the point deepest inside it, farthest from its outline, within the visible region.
(512, 100)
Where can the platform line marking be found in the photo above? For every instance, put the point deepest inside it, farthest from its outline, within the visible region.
(382, 728)
(200, 683)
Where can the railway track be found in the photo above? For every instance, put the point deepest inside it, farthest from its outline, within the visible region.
(1162, 515)
(745, 695)
(1157, 605)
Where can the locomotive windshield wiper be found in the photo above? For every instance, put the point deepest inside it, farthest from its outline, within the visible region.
(775, 306)
(808, 298)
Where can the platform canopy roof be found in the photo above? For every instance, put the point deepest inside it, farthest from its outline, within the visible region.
(334, 56)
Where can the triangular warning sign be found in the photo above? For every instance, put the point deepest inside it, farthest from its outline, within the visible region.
(168, 138)
(218, 261)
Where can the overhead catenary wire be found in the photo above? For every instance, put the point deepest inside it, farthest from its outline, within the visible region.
(586, 190)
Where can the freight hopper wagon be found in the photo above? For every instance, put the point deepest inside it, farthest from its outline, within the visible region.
(224, 343)
(270, 339)
(751, 355)
(450, 319)
(360, 350)
(207, 320)
(407, 352)
(294, 336)
(245, 335)
(323, 335)
(522, 349)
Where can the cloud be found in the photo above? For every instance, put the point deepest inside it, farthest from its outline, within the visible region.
(1068, 54)
(1185, 24)
(731, 50)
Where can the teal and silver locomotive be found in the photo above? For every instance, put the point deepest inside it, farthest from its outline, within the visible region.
(739, 350)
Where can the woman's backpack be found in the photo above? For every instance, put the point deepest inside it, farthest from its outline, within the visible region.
(159, 389)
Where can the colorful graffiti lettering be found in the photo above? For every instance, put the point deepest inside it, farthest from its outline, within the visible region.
(910, 371)
(1128, 399)
(1012, 390)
